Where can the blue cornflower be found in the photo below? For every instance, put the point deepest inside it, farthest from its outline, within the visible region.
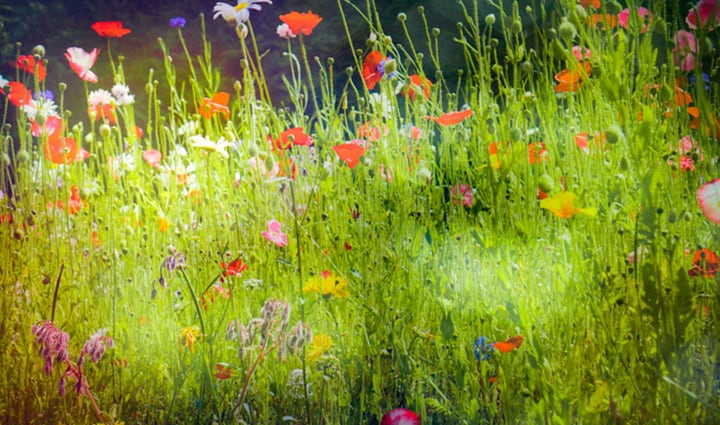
(706, 78)
(44, 95)
(483, 348)
(388, 64)
(177, 22)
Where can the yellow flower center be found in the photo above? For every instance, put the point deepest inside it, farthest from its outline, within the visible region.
(241, 6)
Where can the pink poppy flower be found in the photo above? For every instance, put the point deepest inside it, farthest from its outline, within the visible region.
(152, 157)
(645, 17)
(53, 125)
(581, 53)
(81, 61)
(708, 197)
(400, 417)
(709, 11)
(275, 234)
(685, 49)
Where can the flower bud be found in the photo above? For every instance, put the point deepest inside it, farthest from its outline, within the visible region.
(436, 32)
(490, 19)
(105, 131)
(614, 134)
(516, 26)
(546, 183)
(401, 17)
(567, 30)
(22, 156)
(39, 50)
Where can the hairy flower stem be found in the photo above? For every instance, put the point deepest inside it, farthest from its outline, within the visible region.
(195, 300)
(309, 74)
(55, 293)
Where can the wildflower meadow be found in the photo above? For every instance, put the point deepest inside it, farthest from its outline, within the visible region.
(532, 239)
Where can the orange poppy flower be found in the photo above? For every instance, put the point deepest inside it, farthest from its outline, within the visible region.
(537, 152)
(350, 152)
(103, 111)
(27, 63)
(110, 29)
(61, 150)
(705, 263)
(301, 22)
(494, 159)
(371, 73)
(75, 203)
(451, 118)
(571, 79)
(509, 344)
(418, 85)
(587, 3)
(603, 20)
(218, 103)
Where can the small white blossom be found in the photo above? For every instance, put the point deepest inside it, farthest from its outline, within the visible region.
(239, 13)
(99, 97)
(122, 95)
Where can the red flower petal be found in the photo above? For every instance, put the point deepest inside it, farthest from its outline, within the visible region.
(218, 103)
(371, 74)
(509, 344)
(350, 153)
(451, 118)
(110, 29)
(27, 63)
(19, 95)
(301, 22)
(61, 150)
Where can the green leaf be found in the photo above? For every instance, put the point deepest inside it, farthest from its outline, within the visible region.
(447, 328)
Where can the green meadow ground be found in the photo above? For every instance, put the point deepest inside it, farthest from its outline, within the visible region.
(538, 196)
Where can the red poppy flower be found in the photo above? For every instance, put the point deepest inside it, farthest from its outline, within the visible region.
(224, 371)
(494, 158)
(236, 268)
(418, 85)
(27, 63)
(218, 103)
(294, 136)
(52, 126)
(301, 22)
(509, 344)
(350, 152)
(400, 417)
(103, 111)
(371, 74)
(451, 118)
(75, 203)
(372, 130)
(571, 79)
(587, 3)
(705, 263)
(61, 150)
(110, 29)
(19, 95)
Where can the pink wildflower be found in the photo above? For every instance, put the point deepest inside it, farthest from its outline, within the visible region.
(275, 234)
(95, 346)
(709, 12)
(463, 193)
(685, 49)
(400, 417)
(53, 343)
(644, 15)
(708, 196)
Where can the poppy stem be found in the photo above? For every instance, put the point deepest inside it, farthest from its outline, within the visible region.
(55, 294)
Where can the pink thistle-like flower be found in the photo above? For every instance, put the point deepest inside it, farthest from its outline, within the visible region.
(400, 417)
(53, 343)
(708, 197)
(644, 14)
(81, 62)
(709, 12)
(95, 346)
(275, 234)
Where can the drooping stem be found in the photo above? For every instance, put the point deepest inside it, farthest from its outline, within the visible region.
(55, 294)
(195, 300)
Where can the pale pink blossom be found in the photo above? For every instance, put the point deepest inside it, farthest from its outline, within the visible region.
(275, 234)
(644, 15)
(708, 196)
(685, 49)
(81, 62)
(283, 31)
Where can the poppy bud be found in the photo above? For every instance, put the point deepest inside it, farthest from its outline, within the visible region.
(421, 9)
(5, 158)
(614, 134)
(105, 131)
(401, 17)
(567, 30)
(22, 156)
(546, 183)
(490, 19)
(516, 26)
(436, 32)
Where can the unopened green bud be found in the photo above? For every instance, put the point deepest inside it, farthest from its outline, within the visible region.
(546, 183)
(436, 32)
(515, 134)
(390, 67)
(528, 10)
(494, 43)
(401, 17)
(148, 88)
(105, 131)
(387, 40)
(516, 26)
(22, 156)
(62, 87)
(5, 158)
(489, 19)
(614, 134)
(527, 67)
(40, 119)
(39, 50)
(237, 86)
(567, 30)
(421, 9)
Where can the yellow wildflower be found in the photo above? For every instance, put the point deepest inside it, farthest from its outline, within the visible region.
(188, 336)
(320, 344)
(327, 284)
(562, 206)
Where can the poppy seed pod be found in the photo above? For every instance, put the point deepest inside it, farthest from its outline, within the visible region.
(401, 17)
(567, 30)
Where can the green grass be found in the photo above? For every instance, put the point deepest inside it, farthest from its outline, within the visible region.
(605, 339)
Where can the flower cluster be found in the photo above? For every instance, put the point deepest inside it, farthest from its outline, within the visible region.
(328, 284)
(53, 344)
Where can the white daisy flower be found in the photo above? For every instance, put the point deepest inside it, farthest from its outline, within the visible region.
(99, 97)
(239, 13)
(122, 95)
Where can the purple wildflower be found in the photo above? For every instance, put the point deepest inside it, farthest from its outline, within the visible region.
(177, 22)
(53, 343)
